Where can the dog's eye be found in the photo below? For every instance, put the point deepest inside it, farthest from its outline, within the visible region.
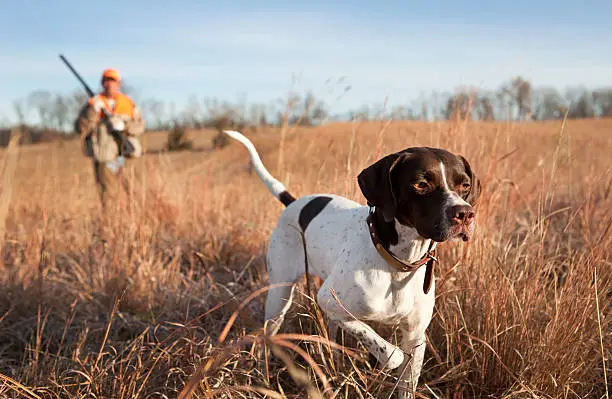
(466, 186)
(421, 186)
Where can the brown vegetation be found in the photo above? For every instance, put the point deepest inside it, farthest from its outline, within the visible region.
(522, 310)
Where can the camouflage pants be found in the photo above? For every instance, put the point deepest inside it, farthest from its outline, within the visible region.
(111, 185)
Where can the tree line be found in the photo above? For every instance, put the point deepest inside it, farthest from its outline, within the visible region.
(517, 99)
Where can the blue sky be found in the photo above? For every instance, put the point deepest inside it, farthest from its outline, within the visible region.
(225, 49)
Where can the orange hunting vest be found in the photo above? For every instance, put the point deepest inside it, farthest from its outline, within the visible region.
(123, 105)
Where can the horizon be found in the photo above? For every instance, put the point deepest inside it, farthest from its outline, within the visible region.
(235, 50)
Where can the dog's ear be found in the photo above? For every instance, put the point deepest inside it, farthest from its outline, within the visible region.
(375, 184)
(474, 194)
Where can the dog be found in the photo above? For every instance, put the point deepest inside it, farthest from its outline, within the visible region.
(376, 261)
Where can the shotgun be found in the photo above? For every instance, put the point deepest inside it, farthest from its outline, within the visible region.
(125, 147)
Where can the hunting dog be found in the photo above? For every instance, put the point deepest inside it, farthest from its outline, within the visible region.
(376, 261)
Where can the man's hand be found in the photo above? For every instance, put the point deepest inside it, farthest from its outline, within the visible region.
(98, 105)
(117, 123)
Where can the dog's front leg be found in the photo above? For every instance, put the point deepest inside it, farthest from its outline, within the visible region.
(390, 356)
(413, 344)
(346, 315)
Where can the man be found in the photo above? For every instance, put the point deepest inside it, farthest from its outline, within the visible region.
(101, 139)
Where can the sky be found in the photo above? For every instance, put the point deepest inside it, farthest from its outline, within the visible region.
(388, 50)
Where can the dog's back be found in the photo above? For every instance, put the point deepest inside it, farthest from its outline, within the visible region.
(315, 221)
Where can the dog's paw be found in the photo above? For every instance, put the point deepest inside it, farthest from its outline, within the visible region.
(395, 359)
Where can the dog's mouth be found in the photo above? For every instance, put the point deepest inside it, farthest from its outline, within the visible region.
(462, 232)
(464, 236)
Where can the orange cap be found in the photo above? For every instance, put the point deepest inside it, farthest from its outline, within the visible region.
(111, 73)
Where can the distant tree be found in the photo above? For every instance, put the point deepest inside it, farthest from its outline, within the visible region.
(60, 112)
(79, 98)
(362, 114)
(317, 110)
(580, 104)
(289, 105)
(424, 111)
(156, 110)
(437, 104)
(263, 121)
(402, 113)
(192, 115)
(172, 116)
(41, 101)
(519, 91)
(485, 109)
(19, 107)
(459, 107)
(5, 122)
(548, 104)
(602, 99)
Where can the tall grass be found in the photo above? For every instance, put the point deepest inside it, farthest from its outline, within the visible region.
(166, 296)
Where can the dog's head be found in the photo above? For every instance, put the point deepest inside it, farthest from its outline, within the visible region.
(429, 189)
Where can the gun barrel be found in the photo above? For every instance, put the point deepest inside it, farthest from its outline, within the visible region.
(85, 85)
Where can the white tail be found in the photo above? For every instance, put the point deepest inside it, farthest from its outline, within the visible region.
(276, 187)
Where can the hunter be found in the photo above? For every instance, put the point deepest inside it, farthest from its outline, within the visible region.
(104, 124)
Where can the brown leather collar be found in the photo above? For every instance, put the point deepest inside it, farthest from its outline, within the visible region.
(429, 258)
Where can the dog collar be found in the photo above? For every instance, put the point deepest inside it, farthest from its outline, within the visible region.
(428, 259)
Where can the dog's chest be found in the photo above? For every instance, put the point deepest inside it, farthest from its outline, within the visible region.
(340, 251)
(404, 301)
(410, 306)
(376, 295)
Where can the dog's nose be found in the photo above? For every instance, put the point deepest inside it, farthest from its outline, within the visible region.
(461, 214)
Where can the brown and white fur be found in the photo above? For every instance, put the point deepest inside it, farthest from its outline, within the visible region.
(419, 194)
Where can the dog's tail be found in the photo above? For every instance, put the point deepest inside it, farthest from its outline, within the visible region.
(276, 188)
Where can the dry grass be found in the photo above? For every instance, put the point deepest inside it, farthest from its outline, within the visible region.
(522, 311)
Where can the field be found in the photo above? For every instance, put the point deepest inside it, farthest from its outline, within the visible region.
(136, 304)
